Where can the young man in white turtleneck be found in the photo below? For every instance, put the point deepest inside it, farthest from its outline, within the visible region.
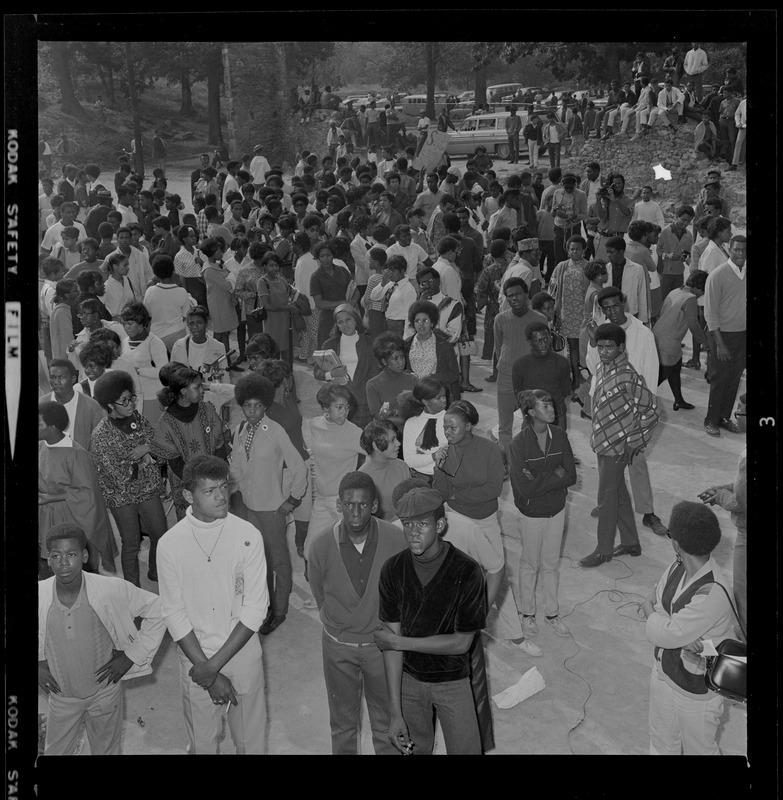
(213, 590)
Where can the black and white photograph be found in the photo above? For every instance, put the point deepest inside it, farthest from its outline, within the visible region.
(393, 396)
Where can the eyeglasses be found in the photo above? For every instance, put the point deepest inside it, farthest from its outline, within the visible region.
(129, 400)
(450, 474)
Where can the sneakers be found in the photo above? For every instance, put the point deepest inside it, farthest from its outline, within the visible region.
(558, 626)
(527, 647)
(595, 559)
(529, 626)
(654, 523)
(627, 550)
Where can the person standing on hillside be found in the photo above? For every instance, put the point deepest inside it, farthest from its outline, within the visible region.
(513, 127)
(695, 65)
(159, 150)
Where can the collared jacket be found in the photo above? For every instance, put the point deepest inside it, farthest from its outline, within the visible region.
(117, 603)
(625, 411)
(543, 495)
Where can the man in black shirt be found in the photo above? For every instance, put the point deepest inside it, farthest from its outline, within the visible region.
(432, 605)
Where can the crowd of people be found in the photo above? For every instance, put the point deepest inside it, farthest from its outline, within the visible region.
(376, 275)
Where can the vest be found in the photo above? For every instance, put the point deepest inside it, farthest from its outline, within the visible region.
(671, 659)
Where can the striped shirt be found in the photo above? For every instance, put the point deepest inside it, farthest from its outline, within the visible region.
(624, 410)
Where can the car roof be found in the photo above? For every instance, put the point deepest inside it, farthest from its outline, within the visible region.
(491, 115)
(500, 85)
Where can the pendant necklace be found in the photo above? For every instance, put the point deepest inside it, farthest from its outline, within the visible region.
(208, 555)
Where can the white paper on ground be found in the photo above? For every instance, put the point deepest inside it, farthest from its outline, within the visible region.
(528, 685)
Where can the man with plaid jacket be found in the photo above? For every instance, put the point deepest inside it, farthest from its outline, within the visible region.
(624, 413)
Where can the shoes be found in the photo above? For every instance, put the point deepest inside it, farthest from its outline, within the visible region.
(627, 550)
(527, 647)
(300, 550)
(152, 576)
(235, 368)
(271, 624)
(685, 406)
(529, 626)
(594, 513)
(654, 523)
(693, 364)
(712, 429)
(595, 559)
(470, 388)
(558, 626)
(491, 379)
(729, 425)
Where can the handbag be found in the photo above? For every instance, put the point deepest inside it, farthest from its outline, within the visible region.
(259, 314)
(558, 341)
(726, 673)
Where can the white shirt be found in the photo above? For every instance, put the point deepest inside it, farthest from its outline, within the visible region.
(259, 166)
(140, 272)
(450, 278)
(210, 598)
(740, 273)
(52, 235)
(695, 62)
(117, 294)
(648, 212)
(128, 214)
(414, 254)
(168, 305)
(303, 271)
(741, 114)
(70, 407)
(348, 354)
(402, 294)
(669, 98)
(360, 247)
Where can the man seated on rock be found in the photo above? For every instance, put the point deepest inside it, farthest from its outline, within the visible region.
(669, 99)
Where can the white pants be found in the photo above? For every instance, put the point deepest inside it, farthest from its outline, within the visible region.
(657, 112)
(246, 721)
(101, 714)
(642, 118)
(539, 562)
(680, 725)
(532, 152)
(481, 540)
(627, 113)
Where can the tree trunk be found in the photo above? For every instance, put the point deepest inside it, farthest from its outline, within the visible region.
(111, 100)
(214, 71)
(231, 118)
(186, 108)
(139, 166)
(62, 71)
(102, 76)
(480, 86)
(431, 50)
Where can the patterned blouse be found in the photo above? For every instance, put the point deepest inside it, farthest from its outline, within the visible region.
(174, 439)
(123, 481)
(185, 264)
(423, 358)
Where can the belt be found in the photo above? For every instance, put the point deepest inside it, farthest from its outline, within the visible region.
(350, 644)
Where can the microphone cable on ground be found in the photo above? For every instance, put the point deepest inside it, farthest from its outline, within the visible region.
(615, 595)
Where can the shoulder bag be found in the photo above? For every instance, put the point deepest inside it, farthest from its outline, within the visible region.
(726, 673)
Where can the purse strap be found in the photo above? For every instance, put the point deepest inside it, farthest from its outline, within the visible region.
(731, 603)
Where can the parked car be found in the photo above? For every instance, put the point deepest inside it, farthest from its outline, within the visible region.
(411, 104)
(488, 130)
(498, 91)
(466, 97)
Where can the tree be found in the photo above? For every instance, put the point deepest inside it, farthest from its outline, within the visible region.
(62, 71)
(139, 165)
(214, 64)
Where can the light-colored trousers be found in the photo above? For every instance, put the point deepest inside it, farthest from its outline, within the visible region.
(657, 112)
(680, 725)
(539, 562)
(101, 713)
(741, 133)
(481, 540)
(246, 720)
(324, 515)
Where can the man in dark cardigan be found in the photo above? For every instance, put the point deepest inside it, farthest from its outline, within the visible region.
(432, 605)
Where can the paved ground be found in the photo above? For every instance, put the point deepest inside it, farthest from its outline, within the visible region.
(595, 700)
(597, 681)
